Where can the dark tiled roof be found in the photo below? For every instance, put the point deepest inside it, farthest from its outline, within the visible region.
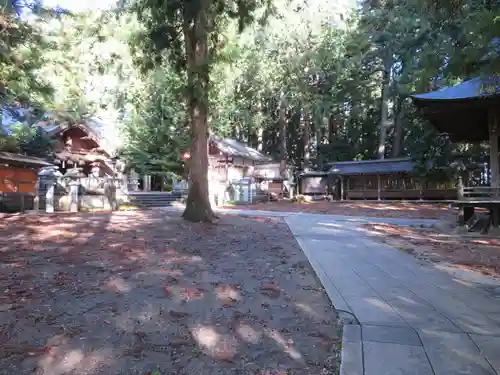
(8, 157)
(372, 166)
(313, 174)
(472, 89)
(233, 147)
(95, 126)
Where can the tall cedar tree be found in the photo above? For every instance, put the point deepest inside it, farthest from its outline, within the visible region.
(188, 33)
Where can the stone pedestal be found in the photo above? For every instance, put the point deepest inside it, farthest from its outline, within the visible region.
(460, 188)
(36, 201)
(74, 175)
(133, 181)
(49, 196)
(47, 180)
(74, 199)
(110, 194)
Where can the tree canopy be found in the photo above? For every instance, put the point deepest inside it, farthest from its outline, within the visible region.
(307, 82)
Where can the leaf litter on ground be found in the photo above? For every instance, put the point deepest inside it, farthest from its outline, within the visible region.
(132, 291)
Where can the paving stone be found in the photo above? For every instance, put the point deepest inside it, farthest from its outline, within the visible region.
(374, 310)
(351, 333)
(352, 358)
(489, 347)
(407, 298)
(461, 314)
(422, 316)
(454, 353)
(333, 294)
(392, 295)
(395, 359)
(392, 335)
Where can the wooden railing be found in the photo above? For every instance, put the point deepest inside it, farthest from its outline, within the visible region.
(481, 193)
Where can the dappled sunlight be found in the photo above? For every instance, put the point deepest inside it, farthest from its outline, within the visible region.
(382, 305)
(307, 309)
(247, 333)
(206, 337)
(408, 300)
(228, 293)
(61, 361)
(331, 225)
(159, 292)
(287, 344)
(182, 259)
(117, 285)
(221, 347)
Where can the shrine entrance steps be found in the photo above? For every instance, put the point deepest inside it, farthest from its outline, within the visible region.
(153, 198)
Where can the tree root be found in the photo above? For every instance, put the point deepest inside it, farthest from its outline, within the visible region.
(194, 214)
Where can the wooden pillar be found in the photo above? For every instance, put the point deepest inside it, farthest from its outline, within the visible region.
(378, 186)
(493, 127)
(341, 188)
(347, 188)
(364, 186)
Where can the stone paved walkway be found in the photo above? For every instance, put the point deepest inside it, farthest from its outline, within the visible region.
(413, 318)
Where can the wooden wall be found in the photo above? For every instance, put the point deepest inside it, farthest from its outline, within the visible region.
(397, 186)
(17, 180)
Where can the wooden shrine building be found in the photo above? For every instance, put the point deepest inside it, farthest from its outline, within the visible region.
(470, 112)
(386, 179)
(18, 179)
(81, 145)
(230, 159)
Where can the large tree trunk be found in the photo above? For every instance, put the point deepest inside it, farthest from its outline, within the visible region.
(332, 130)
(260, 139)
(306, 135)
(282, 130)
(196, 33)
(260, 129)
(384, 111)
(398, 128)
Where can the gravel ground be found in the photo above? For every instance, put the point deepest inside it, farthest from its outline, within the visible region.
(135, 292)
(360, 208)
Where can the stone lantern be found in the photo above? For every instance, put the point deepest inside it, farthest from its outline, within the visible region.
(47, 180)
(73, 176)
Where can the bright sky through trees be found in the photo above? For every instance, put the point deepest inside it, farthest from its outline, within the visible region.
(80, 5)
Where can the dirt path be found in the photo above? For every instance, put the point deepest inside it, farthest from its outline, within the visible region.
(135, 292)
(360, 208)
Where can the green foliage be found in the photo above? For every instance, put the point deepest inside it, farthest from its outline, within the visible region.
(21, 57)
(32, 141)
(156, 133)
(325, 64)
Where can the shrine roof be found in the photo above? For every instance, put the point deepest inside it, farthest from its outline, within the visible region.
(232, 147)
(19, 159)
(462, 111)
(379, 166)
(472, 89)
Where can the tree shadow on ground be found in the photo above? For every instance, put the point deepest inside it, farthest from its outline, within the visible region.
(131, 292)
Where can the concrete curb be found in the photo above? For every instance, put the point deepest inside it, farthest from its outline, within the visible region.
(351, 355)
